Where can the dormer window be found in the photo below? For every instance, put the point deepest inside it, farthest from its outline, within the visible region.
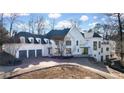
(31, 40)
(38, 40)
(22, 39)
(46, 40)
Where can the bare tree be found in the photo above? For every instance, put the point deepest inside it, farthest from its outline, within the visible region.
(12, 19)
(1, 19)
(53, 23)
(75, 22)
(40, 25)
(117, 25)
(121, 38)
(31, 25)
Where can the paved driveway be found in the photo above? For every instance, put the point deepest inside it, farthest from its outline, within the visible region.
(82, 61)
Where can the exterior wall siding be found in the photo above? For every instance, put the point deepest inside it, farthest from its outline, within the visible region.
(14, 49)
(75, 35)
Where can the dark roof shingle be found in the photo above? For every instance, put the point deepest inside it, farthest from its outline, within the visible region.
(96, 35)
(57, 34)
(27, 35)
(82, 34)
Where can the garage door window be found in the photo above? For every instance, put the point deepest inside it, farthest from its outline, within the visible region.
(39, 52)
(22, 54)
(31, 53)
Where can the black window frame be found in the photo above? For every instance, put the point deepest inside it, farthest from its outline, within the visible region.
(94, 45)
(107, 48)
(68, 43)
(77, 43)
(101, 50)
(99, 44)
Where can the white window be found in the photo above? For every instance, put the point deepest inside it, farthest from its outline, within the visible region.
(107, 57)
(57, 50)
(31, 39)
(22, 39)
(68, 42)
(68, 50)
(95, 45)
(38, 40)
(46, 40)
(101, 50)
(107, 49)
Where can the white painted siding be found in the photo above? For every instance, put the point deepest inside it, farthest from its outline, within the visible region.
(75, 35)
(14, 49)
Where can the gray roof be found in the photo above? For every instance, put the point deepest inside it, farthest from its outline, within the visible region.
(82, 34)
(96, 35)
(57, 34)
(27, 35)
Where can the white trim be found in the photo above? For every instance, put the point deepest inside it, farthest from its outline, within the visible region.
(38, 40)
(31, 39)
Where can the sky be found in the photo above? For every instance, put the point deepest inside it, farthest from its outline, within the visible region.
(86, 20)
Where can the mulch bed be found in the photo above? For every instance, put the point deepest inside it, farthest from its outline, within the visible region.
(60, 72)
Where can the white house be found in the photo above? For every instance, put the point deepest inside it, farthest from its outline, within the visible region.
(74, 42)
(27, 45)
(66, 42)
(98, 47)
(93, 41)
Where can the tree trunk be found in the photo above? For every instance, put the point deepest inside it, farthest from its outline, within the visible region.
(11, 30)
(121, 39)
(122, 59)
(0, 48)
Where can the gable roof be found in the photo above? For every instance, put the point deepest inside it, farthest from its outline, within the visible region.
(57, 34)
(96, 35)
(27, 35)
(82, 34)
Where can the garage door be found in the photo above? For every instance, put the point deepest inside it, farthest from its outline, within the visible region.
(31, 53)
(22, 54)
(39, 52)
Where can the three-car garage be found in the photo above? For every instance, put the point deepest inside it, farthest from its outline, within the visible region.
(24, 54)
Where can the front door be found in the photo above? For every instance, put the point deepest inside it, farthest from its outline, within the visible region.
(49, 51)
(101, 58)
(85, 51)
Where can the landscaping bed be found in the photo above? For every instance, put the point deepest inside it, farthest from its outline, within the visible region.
(115, 64)
(60, 72)
(62, 57)
(8, 60)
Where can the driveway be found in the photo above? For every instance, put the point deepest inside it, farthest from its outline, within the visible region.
(29, 62)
